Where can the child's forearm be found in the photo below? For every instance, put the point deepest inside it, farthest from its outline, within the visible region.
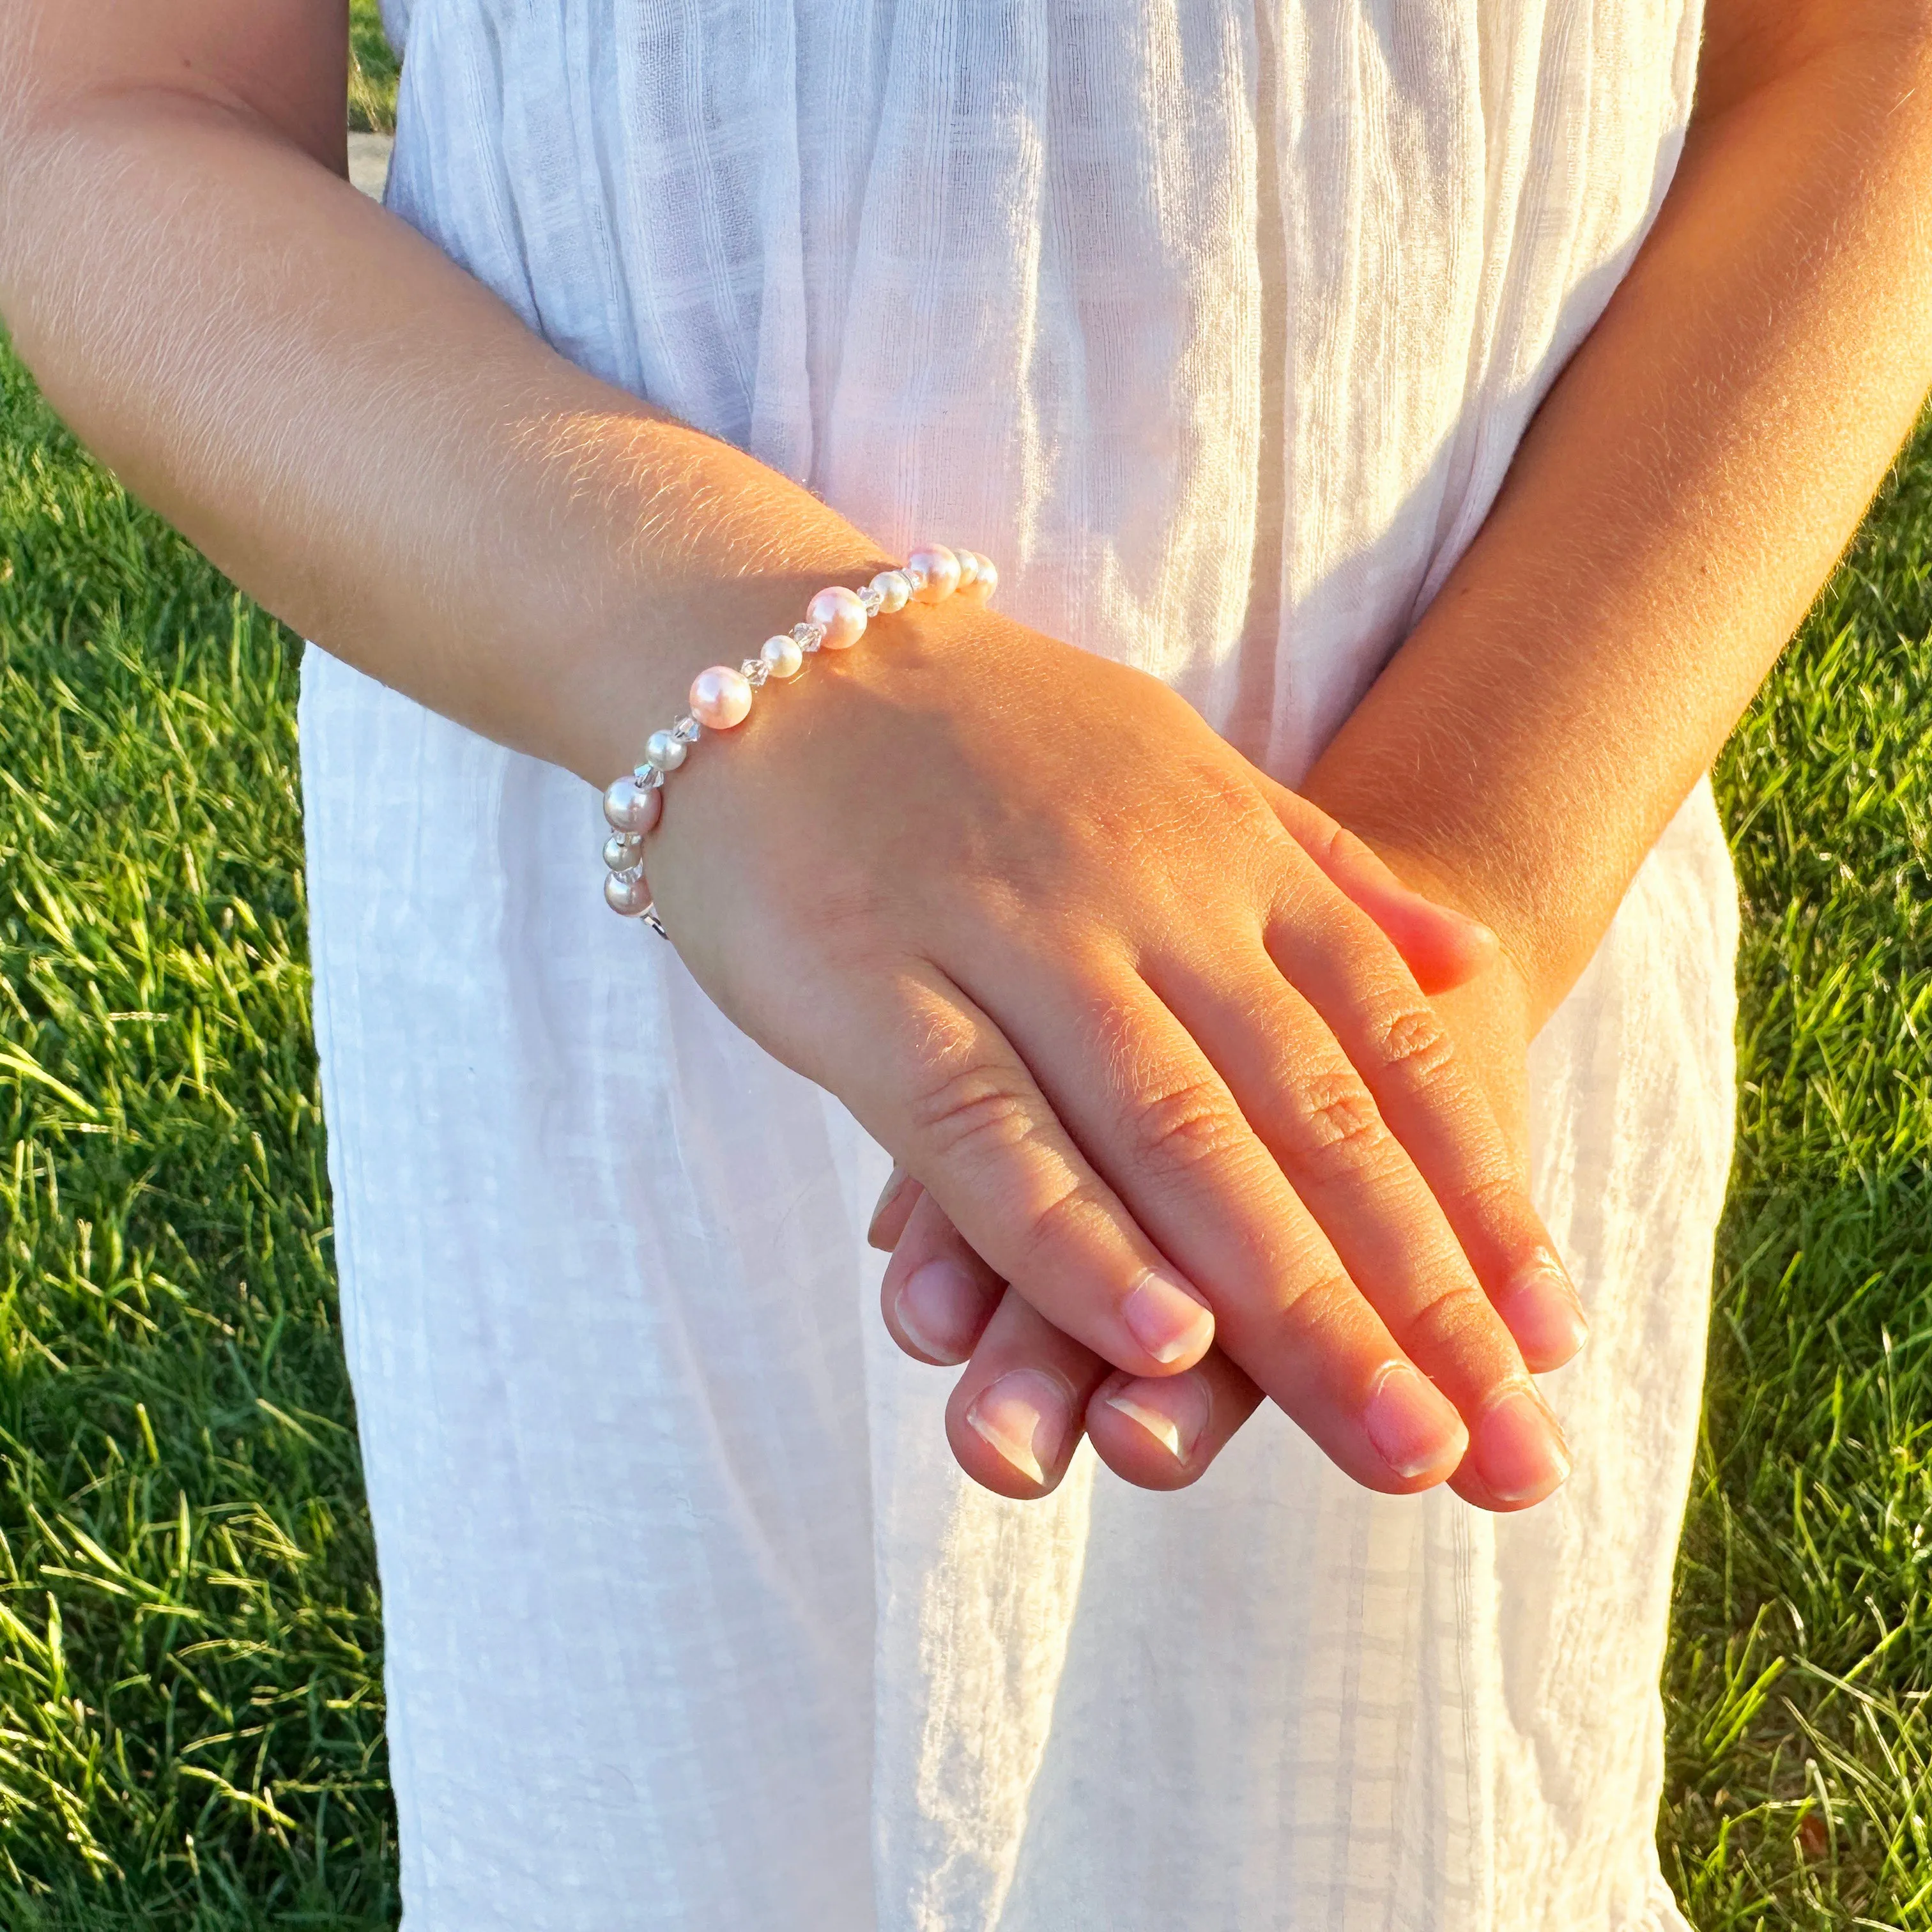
(359, 432)
(1685, 490)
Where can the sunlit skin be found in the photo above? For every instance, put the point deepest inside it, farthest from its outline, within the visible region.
(1094, 1071)
(1681, 495)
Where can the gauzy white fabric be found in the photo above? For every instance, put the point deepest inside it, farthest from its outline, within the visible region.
(1217, 330)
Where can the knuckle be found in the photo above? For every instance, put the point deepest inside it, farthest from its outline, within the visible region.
(1321, 1305)
(1494, 1196)
(975, 1113)
(1413, 1041)
(1053, 1235)
(1341, 1130)
(969, 1110)
(1177, 1128)
(1456, 1321)
(965, 1101)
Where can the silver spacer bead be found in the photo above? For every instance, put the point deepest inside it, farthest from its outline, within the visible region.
(663, 750)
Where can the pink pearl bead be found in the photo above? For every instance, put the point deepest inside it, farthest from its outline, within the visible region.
(720, 697)
(838, 613)
(941, 569)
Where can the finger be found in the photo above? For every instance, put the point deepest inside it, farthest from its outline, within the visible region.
(889, 1216)
(1313, 1112)
(1162, 1129)
(939, 1083)
(938, 1295)
(1014, 1417)
(1441, 946)
(1162, 1432)
(1398, 1044)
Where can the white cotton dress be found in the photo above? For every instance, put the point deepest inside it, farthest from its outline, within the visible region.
(1215, 323)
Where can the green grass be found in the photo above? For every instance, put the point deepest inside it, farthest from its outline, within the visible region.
(190, 1702)
(372, 71)
(190, 1709)
(1801, 1774)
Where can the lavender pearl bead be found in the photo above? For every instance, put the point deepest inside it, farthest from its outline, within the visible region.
(626, 893)
(631, 808)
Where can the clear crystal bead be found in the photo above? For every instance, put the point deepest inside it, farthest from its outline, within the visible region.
(755, 671)
(809, 636)
(687, 728)
(871, 599)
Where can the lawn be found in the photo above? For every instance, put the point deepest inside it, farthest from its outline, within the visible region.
(190, 1704)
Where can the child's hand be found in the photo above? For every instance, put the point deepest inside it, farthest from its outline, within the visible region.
(943, 1303)
(1068, 956)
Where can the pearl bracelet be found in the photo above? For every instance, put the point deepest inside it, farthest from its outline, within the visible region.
(721, 698)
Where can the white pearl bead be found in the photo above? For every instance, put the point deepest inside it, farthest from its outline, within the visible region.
(940, 570)
(629, 806)
(620, 853)
(894, 590)
(626, 895)
(837, 612)
(782, 656)
(986, 578)
(721, 697)
(663, 750)
(969, 568)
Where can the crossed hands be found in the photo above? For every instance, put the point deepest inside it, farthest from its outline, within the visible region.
(1179, 1124)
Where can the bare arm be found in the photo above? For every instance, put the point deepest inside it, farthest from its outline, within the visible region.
(376, 448)
(1684, 491)
(345, 422)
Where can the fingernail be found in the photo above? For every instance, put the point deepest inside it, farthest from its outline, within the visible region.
(1541, 1307)
(1173, 1409)
(1168, 1318)
(1413, 1424)
(894, 1186)
(1025, 1416)
(1520, 1453)
(942, 1308)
